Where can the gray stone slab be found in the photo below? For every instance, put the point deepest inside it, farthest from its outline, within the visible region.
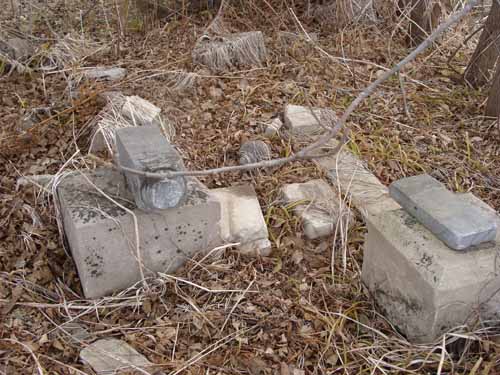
(141, 112)
(102, 239)
(113, 356)
(106, 73)
(301, 121)
(147, 150)
(254, 152)
(448, 216)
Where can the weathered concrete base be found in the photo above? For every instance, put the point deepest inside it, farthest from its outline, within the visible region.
(242, 220)
(102, 237)
(318, 207)
(303, 121)
(112, 356)
(422, 286)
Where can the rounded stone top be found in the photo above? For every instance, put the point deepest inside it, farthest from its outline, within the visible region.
(254, 152)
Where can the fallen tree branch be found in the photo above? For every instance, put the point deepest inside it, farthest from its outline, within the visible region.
(304, 153)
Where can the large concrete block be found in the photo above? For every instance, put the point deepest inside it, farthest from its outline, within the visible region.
(242, 220)
(147, 150)
(422, 286)
(102, 238)
(113, 356)
(448, 216)
(318, 207)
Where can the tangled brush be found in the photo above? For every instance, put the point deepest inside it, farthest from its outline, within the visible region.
(223, 53)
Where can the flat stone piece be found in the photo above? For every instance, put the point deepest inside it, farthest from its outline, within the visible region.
(104, 73)
(141, 112)
(318, 207)
(452, 219)
(110, 356)
(422, 286)
(242, 220)
(300, 121)
(102, 239)
(147, 150)
(274, 128)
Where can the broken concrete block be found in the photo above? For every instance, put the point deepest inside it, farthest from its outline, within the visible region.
(110, 356)
(318, 206)
(102, 235)
(301, 120)
(273, 129)
(449, 217)
(222, 53)
(254, 151)
(348, 172)
(242, 220)
(145, 149)
(141, 112)
(108, 74)
(423, 287)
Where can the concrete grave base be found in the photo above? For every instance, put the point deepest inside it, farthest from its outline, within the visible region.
(423, 287)
(102, 237)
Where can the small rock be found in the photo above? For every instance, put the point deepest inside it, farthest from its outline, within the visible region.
(301, 121)
(108, 356)
(273, 129)
(108, 74)
(254, 152)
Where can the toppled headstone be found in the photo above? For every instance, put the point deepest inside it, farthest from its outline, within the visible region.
(304, 121)
(102, 236)
(348, 172)
(254, 151)
(222, 53)
(423, 287)
(447, 215)
(242, 220)
(104, 73)
(145, 149)
(110, 356)
(318, 207)
(273, 128)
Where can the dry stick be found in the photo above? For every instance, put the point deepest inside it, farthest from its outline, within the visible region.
(303, 154)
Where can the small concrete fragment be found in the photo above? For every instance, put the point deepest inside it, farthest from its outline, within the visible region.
(110, 356)
(107, 74)
(301, 121)
(449, 217)
(349, 173)
(274, 128)
(145, 149)
(423, 287)
(242, 220)
(140, 112)
(102, 239)
(254, 152)
(223, 53)
(318, 207)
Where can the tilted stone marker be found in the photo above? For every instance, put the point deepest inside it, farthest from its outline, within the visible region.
(301, 121)
(147, 150)
(113, 356)
(102, 238)
(141, 112)
(423, 287)
(448, 216)
(318, 207)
